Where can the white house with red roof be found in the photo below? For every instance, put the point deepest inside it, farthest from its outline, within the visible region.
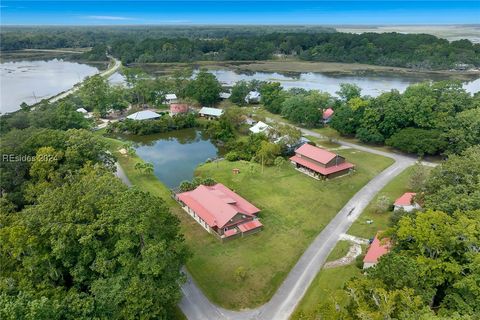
(406, 202)
(327, 115)
(220, 211)
(320, 163)
(376, 249)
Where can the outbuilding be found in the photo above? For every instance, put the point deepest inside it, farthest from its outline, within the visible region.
(406, 202)
(376, 249)
(178, 108)
(143, 115)
(327, 115)
(171, 98)
(225, 95)
(253, 97)
(210, 113)
(260, 127)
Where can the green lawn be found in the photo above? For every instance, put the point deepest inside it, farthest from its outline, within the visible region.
(295, 208)
(329, 280)
(325, 284)
(340, 250)
(392, 190)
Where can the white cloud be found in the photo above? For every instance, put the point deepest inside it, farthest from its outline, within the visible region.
(108, 18)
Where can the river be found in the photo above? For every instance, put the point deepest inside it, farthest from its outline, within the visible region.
(372, 84)
(32, 81)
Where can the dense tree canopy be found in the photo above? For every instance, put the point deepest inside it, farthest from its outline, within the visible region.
(455, 184)
(91, 248)
(422, 120)
(305, 109)
(163, 44)
(205, 88)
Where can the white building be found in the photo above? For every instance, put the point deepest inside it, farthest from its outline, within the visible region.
(85, 113)
(210, 112)
(144, 115)
(253, 97)
(225, 95)
(82, 110)
(260, 127)
(171, 98)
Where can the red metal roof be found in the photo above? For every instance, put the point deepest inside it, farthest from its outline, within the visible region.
(327, 113)
(250, 225)
(178, 108)
(230, 232)
(376, 250)
(320, 169)
(315, 153)
(217, 204)
(406, 199)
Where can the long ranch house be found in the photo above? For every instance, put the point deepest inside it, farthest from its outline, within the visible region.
(320, 163)
(221, 211)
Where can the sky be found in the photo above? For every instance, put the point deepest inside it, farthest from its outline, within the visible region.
(20, 12)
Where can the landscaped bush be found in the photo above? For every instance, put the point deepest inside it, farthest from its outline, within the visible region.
(190, 185)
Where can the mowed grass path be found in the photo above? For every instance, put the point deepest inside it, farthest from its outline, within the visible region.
(295, 208)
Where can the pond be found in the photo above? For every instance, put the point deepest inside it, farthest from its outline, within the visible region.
(32, 81)
(372, 84)
(175, 154)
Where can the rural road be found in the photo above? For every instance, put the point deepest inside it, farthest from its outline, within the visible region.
(195, 304)
(197, 307)
(114, 67)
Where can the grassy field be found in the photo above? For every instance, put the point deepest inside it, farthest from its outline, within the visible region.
(340, 250)
(295, 208)
(329, 280)
(323, 287)
(392, 190)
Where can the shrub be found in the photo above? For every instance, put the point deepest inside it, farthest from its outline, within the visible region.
(232, 156)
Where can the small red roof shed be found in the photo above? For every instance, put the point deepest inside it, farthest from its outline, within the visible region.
(406, 199)
(327, 113)
(176, 108)
(377, 249)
